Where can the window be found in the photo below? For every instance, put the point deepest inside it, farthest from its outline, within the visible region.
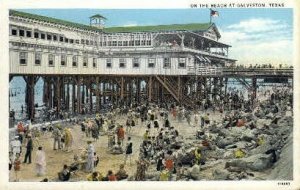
(74, 61)
(137, 42)
(23, 58)
(114, 43)
(14, 32)
(54, 38)
(151, 62)
(77, 41)
(21, 33)
(51, 60)
(71, 41)
(143, 42)
(181, 63)
(94, 62)
(28, 34)
(49, 37)
(167, 62)
(109, 43)
(108, 63)
(38, 58)
(43, 36)
(125, 43)
(92, 42)
(122, 63)
(85, 61)
(63, 60)
(136, 63)
(131, 43)
(87, 42)
(148, 42)
(104, 44)
(61, 39)
(36, 35)
(66, 40)
(119, 43)
(82, 41)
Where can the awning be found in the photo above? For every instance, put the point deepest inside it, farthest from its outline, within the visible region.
(200, 58)
(207, 60)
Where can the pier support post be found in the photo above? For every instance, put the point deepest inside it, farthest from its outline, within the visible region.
(97, 94)
(79, 95)
(149, 85)
(30, 84)
(58, 93)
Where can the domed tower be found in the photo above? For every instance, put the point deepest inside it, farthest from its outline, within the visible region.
(97, 21)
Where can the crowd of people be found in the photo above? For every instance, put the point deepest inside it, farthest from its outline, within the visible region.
(162, 144)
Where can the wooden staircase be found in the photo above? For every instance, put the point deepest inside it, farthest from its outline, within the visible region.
(172, 87)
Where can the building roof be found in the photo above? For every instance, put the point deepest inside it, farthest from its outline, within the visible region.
(98, 16)
(172, 27)
(155, 28)
(52, 20)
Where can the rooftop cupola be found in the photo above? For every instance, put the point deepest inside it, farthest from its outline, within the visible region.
(98, 21)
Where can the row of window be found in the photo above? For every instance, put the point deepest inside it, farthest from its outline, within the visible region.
(56, 37)
(122, 61)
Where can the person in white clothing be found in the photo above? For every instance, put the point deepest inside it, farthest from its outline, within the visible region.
(40, 162)
(15, 146)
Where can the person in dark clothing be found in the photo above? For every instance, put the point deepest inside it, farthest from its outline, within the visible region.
(128, 152)
(274, 156)
(160, 164)
(29, 148)
(65, 174)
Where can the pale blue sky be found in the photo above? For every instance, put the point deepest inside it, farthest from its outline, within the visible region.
(256, 35)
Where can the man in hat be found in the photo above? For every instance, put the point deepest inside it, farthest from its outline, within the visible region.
(15, 148)
(29, 148)
(57, 137)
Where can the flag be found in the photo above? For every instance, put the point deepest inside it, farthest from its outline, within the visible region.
(214, 13)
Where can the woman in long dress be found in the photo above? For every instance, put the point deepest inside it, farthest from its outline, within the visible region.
(40, 162)
(68, 139)
(90, 157)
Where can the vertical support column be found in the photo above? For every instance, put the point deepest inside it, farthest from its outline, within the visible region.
(58, 93)
(225, 90)
(30, 83)
(122, 88)
(45, 91)
(97, 94)
(73, 96)
(51, 94)
(63, 91)
(79, 95)
(138, 89)
(179, 90)
(104, 92)
(83, 92)
(91, 96)
(68, 96)
(130, 91)
(149, 85)
(254, 86)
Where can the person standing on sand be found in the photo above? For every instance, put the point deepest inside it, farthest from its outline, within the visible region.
(16, 147)
(68, 139)
(90, 157)
(17, 166)
(57, 138)
(128, 151)
(29, 148)
(40, 162)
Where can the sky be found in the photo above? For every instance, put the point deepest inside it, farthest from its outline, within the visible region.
(257, 36)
